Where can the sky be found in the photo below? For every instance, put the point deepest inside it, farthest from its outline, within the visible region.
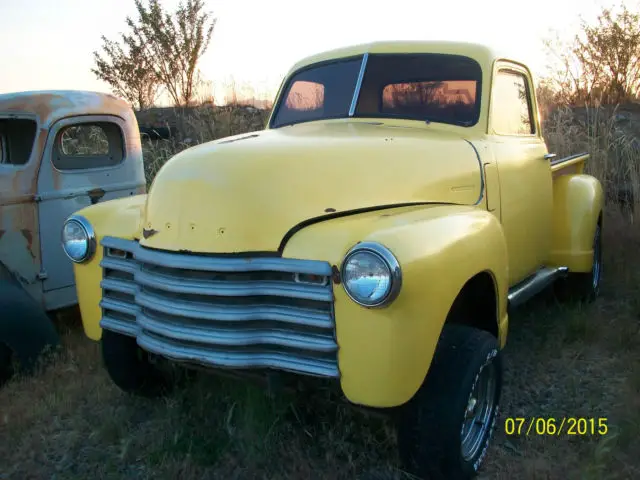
(47, 44)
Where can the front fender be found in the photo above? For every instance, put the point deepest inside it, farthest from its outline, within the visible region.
(385, 353)
(578, 201)
(120, 218)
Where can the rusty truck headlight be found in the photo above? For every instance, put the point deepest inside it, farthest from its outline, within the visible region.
(78, 239)
(371, 275)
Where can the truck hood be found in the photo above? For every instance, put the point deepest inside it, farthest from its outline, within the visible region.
(244, 193)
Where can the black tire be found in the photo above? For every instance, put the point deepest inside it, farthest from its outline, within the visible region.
(131, 369)
(6, 364)
(26, 332)
(584, 287)
(431, 425)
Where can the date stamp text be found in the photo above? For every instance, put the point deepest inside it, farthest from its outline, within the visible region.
(551, 426)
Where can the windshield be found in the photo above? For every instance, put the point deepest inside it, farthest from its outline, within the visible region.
(429, 87)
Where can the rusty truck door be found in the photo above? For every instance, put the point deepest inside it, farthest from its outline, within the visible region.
(87, 159)
(20, 140)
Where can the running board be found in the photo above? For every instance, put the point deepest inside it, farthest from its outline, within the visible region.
(533, 285)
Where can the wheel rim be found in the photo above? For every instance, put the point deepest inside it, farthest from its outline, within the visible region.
(596, 270)
(479, 411)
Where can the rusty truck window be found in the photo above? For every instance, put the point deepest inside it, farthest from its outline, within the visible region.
(511, 112)
(17, 137)
(87, 146)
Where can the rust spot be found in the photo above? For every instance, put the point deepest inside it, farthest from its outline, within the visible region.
(95, 195)
(29, 238)
(335, 274)
(146, 233)
(329, 210)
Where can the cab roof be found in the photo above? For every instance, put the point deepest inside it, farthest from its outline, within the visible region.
(483, 54)
(49, 106)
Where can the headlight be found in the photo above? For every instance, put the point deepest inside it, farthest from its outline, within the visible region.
(78, 239)
(371, 275)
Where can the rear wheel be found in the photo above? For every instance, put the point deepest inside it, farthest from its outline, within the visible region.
(131, 368)
(445, 429)
(584, 286)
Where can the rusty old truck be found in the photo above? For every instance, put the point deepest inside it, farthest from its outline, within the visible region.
(376, 234)
(59, 151)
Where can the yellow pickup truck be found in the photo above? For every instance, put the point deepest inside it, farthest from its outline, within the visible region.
(376, 234)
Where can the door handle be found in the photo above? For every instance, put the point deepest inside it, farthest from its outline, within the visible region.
(549, 156)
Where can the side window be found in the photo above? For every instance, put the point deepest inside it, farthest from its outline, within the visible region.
(17, 136)
(511, 111)
(88, 145)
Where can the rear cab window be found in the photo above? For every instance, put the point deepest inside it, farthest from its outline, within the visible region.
(17, 137)
(87, 146)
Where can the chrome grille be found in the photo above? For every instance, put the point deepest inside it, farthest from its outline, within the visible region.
(221, 311)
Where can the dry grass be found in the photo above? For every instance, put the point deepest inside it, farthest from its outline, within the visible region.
(195, 126)
(70, 422)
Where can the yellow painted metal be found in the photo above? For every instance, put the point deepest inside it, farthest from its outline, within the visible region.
(118, 218)
(245, 195)
(385, 352)
(578, 205)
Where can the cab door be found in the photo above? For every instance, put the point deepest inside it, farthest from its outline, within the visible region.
(20, 137)
(526, 192)
(88, 159)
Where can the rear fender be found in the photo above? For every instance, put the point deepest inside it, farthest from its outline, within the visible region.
(24, 325)
(385, 353)
(578, 205)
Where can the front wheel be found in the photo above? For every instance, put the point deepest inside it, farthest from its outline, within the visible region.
(445, 429)
(131, 368)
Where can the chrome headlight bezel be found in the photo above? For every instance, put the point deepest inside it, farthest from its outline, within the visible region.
(90, 235)
(395, 272)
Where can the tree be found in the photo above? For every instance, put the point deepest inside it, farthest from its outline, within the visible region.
(174, 43)
(160, 49)
(602, 63)
(127, 71)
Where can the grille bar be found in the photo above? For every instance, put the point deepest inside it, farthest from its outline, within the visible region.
(221, 311)
(217, 264)
(119, 325)
(211, 335)
(194, 353)
(237, 313)
(233, 289)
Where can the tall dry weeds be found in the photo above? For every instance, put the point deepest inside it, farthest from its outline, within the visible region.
(198, 125)
(609, 135)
